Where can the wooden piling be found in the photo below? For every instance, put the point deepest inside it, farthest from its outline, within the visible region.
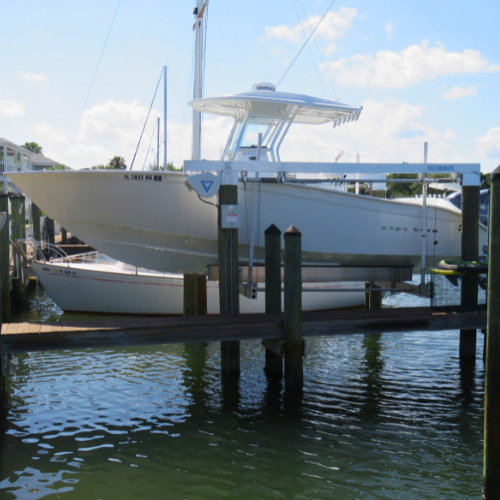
(50, 231)
(202, 306)
(491, 462)
(294, 375)
(367, 295)
(5, 259)
(35, 218)
(274, 360)
(18, 223)
(229, 295)
(2, 378)
(375, 298)
(190, 307)
(470, 252)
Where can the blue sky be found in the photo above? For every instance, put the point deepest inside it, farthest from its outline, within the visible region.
(423, 71)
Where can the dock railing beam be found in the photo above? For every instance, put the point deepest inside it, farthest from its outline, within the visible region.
(5, 259)
(274, 359)
(491, 462)
(470, 252)
(229, 291)
(294, 373)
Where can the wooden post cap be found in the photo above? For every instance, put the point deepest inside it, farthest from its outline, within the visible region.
(3, 194)
(495, 175)
(14, 196)
(272, 230)
(293, 231)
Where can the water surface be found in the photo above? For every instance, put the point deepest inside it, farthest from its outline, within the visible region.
(381, 416)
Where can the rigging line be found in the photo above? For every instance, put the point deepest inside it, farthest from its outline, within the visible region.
(309, 47)
(143, 128)
(175, 88)
(330, 81)
(149, 147)
(92, 82)
(302, 48)
(319, 51)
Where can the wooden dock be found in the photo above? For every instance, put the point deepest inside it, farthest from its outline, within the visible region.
(26, 337)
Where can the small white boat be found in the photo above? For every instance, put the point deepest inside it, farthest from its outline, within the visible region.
(95, 283)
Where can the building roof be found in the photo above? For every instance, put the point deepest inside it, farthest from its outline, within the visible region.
(40, 159)
(10, 144)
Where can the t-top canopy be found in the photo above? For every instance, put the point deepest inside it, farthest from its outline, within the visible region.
(269, 103)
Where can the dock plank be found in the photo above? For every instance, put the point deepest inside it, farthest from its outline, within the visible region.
(154, 331)
(34, 328)
(23, 328)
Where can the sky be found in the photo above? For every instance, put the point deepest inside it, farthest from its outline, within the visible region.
(423, 71)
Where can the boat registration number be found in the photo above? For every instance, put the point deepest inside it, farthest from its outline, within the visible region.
(142, 177)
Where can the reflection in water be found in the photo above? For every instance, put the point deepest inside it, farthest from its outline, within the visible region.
(373, 366)
(381, 416)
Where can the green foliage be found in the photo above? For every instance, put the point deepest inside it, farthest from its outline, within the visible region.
(486, 181)
(410, 190)
(59, 166)
(117, 162)
(33, 146)
(170, 167)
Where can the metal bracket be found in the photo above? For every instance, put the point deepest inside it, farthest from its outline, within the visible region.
(249, 290)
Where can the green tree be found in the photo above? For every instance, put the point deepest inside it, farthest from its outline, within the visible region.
(170, 167)
(33, 146)
(117, 162)
(60, 166)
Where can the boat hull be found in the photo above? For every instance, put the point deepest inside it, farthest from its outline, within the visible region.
(80, 288)
(162, 225)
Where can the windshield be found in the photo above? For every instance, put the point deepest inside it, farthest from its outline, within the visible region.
(256, 126)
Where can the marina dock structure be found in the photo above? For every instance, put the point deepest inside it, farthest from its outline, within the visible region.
(284, 333)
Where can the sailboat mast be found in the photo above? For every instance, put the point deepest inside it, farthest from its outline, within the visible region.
(198, 75)
(164, 119)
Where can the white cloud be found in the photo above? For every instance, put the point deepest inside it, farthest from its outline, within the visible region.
(12, 109)
(113, 128)
(330, 49)
(388, 29)
(33, 77)
(333, 26)
(407, 67)
(457, 92)
(489, 145)
(389, 131)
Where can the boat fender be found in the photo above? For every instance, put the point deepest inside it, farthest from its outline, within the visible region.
(460, 266)
(205, 184)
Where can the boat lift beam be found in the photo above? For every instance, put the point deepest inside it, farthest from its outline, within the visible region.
(470, 172)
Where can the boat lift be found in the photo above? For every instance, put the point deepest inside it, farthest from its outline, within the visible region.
(206, 177)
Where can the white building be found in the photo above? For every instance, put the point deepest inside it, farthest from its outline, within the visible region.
(13, 158)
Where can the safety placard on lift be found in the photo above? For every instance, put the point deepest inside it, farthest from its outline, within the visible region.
(230, 217)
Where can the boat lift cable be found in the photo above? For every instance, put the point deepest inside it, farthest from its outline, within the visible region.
(92, 82)
(144, 127)
(306, 42)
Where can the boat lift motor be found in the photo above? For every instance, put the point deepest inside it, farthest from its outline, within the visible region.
(205, 184)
